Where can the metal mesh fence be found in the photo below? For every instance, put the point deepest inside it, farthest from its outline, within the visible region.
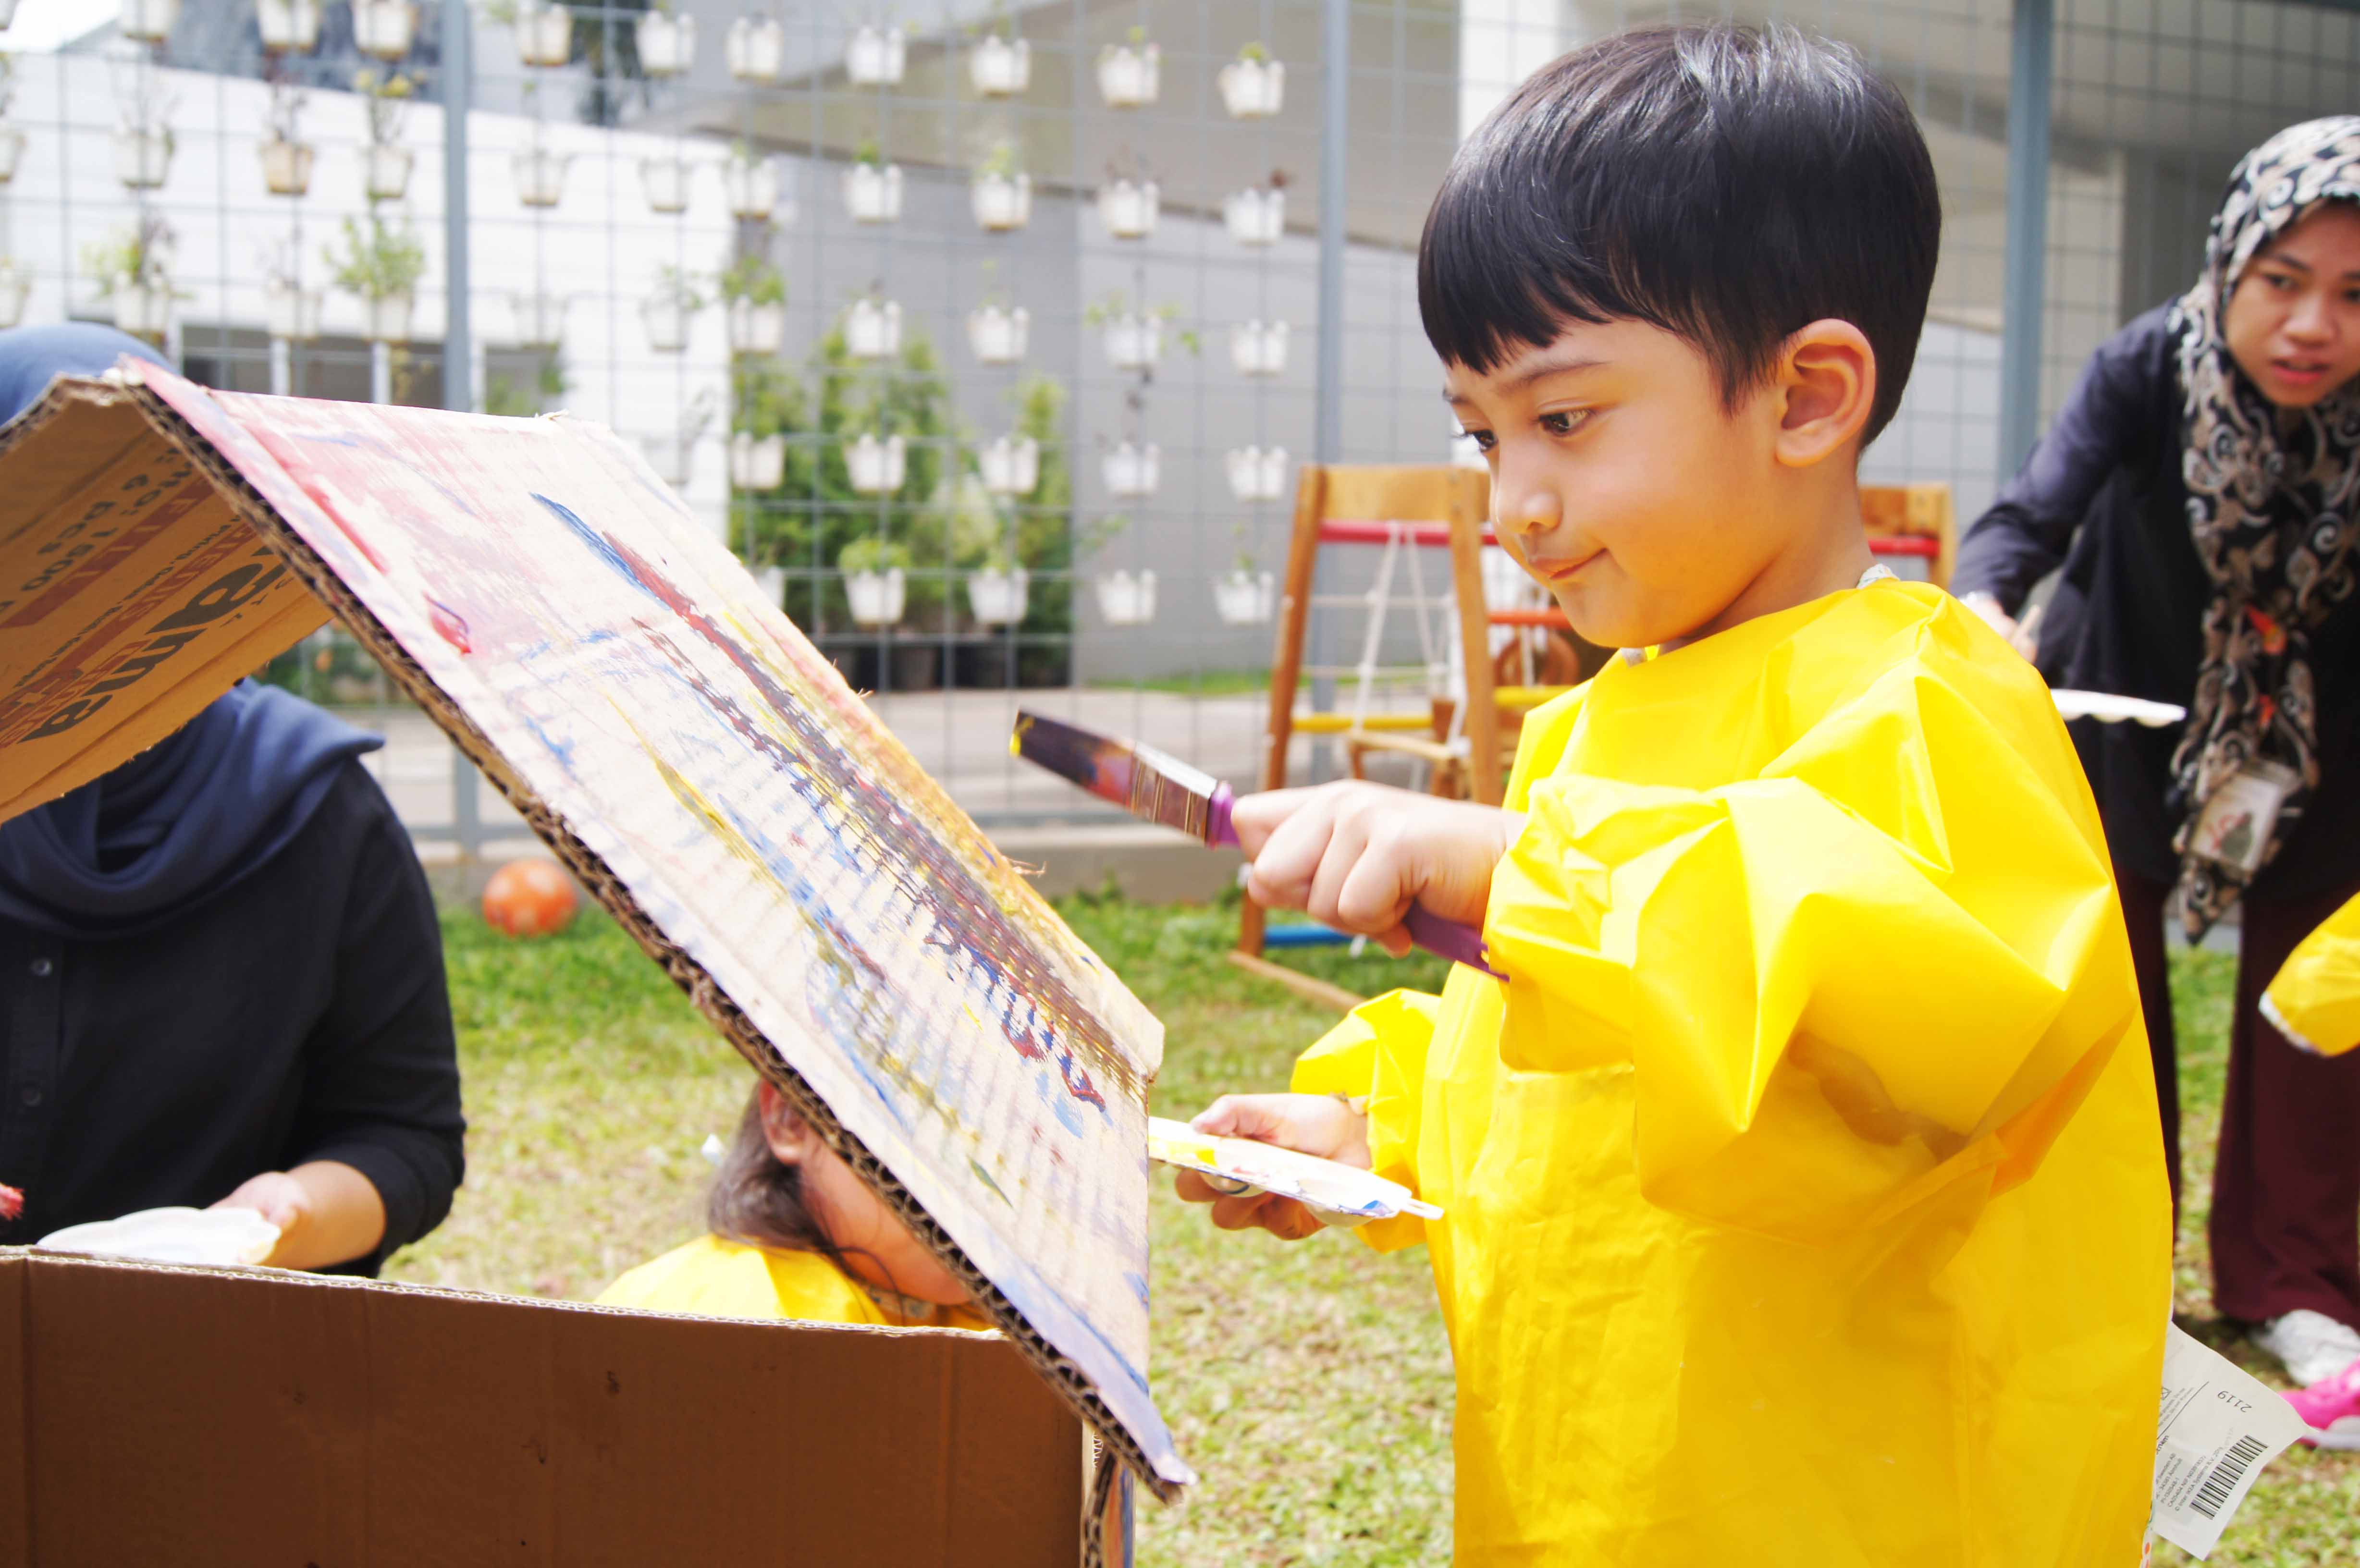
(991, 331)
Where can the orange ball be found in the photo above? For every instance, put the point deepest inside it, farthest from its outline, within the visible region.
(529, 897)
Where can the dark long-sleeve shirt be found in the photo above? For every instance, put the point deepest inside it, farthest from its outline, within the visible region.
(2102, 495)
(302, 1015)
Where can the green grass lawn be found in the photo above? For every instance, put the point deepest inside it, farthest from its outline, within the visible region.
(1309, 1384)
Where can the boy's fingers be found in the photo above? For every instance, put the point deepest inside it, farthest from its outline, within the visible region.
(1289, 1221)
(1375, 896)
(1347, 848)
(1255, 816)
(1289, 858)
(1243, 1212)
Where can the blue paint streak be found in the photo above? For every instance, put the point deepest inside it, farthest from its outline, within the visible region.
(597, 541)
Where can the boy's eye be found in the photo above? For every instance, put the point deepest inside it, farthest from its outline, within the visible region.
(1483, 439)
(1565, 421)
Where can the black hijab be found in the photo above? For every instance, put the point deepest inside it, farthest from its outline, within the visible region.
(196, 813)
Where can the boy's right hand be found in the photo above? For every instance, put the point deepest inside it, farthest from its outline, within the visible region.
(1309, 1124)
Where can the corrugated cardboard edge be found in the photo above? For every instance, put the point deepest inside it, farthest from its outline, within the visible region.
(1062, 1374)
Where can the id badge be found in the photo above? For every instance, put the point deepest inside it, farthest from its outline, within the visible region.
(2237, 825)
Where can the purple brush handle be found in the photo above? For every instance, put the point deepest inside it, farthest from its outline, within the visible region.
(1453, 939)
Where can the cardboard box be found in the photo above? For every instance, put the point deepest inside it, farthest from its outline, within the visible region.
(710, 780)
(154, 1414)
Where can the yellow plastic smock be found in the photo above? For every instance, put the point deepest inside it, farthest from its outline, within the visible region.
(2314, 998)
(713, 1277)
(1803, 1200)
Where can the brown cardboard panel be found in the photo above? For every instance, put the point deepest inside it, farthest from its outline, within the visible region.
(16, 1511)
(424, 533)
(201, 1416)
(131, 594)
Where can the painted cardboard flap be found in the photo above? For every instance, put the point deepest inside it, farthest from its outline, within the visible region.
(669, 734)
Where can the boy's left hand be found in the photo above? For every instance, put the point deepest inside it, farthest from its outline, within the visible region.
(1357, 856)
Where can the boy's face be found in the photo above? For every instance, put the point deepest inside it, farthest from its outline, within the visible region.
(1620, 481)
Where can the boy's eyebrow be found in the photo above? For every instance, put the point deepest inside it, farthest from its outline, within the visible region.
(1530, 374)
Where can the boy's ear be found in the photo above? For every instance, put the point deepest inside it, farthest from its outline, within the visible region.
(790, 1137)
(1825, 381)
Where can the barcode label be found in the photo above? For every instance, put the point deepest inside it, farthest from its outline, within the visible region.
(2212, 1497)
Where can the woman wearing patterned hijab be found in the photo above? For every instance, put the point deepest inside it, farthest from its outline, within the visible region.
(2199, 489)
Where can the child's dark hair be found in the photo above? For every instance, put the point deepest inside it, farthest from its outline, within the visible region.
(1727, 184)
(756, 1198)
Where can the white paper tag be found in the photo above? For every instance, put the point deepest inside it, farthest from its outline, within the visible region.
(2219, 1429)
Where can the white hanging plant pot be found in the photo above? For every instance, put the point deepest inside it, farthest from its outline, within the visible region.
(1009, 466)
(997, 335)
(998, 598)
(545, 35)
(1129, 208)
(999, 69)
(386, 319)
(287, 166)
(672, 457)
(1258, 348)
(291, 314)
(1129, 75)
(149, 21)
(878, 598)
(876, 56)
(1126, 598)
(756, 329)
(1131, 471)
(1253, 89)
(384, 28)
(143, 309)
(15, 286)
(540, 175)
(540, 319)
(12, 151)
(1134, 342)
(872, 193)
(1002, 202)
(1254, 217)
(1256, 474)
(667, 43)
(872, 329)
(751, 184)
(665, 179)
(756, 49)
(666, 318)
(877, 467)
(288, 24)
(756, 463)
(143, 157)
(385, 170)
(1243, 598)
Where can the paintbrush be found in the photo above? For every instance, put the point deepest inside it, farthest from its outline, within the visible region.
(1159, 788)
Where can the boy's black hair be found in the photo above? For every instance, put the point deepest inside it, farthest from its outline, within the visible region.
(1728, 184)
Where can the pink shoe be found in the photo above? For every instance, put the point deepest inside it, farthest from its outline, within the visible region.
(2331, 1408)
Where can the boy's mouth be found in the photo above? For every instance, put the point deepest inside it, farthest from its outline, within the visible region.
(1562, 569)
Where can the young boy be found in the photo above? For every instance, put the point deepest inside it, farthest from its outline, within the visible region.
(1802, 1197)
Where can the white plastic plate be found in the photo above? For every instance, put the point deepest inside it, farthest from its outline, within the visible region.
(1339, 1194)
(2109, 709)
(216, 1236)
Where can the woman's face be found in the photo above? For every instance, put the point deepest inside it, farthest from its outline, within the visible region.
(875, 1245)
(2294, 323)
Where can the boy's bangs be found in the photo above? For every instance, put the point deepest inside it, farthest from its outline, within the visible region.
(1496, 278)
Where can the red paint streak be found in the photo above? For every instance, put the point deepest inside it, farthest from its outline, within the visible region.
(12, 1202)
(449, 624)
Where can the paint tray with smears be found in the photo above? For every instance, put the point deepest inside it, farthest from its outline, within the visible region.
(1339, 1195)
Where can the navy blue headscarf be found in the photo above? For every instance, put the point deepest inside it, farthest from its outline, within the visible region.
(195, 814)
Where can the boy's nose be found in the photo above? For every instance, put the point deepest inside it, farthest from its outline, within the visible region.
(1524, 509)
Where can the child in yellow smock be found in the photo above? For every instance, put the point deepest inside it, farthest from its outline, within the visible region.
(794, 1234)
(1802, 1202)
(2314, 998)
